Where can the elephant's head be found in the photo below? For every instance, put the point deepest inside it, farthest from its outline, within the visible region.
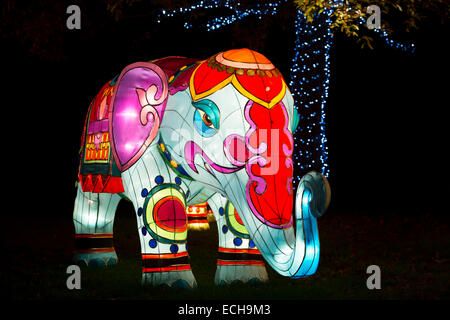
(232, 131)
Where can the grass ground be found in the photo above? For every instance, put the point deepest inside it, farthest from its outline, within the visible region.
(412, 252)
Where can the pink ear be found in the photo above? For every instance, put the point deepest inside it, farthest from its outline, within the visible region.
(142, 97)
(132, 129)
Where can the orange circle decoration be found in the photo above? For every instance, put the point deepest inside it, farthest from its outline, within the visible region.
(244, 59)
(252, 74)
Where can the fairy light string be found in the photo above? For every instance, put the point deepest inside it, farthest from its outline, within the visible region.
(309, 82)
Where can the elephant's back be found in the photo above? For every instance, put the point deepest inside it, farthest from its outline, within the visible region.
(170, 65)
(178, 71)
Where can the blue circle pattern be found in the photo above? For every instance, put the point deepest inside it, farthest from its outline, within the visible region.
(140, 211)
(221, 211)
(177, 180)
(159, 179)
(144, 192)
(237, 241)
(224, 229)
(251, 244)
(144, 231)
(174, 248)
(153, 243)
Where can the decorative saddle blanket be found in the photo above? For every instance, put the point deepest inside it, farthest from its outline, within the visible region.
(98, 171)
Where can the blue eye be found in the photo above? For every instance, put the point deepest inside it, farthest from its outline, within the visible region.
(203, 124)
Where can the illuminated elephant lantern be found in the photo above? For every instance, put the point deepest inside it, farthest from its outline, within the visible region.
(176, 132)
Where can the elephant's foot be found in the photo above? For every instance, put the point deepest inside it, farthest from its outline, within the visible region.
(168, 269)
(236, 266)
(237, 274)
(172, 279)
(102, 259)
(94, 250)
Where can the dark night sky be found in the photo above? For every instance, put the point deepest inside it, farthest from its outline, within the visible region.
(384, 115)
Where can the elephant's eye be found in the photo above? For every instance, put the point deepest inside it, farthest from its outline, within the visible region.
(207, 120)
(203, 124)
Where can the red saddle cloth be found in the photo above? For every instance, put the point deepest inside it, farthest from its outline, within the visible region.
(97, 171)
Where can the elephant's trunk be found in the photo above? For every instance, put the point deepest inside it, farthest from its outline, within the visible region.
(293, 253)
(266, 204)
(300, 256)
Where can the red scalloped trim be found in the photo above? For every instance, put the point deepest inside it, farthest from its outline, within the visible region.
(98, 183)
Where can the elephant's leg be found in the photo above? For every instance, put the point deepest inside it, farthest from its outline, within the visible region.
(239, 261)
(93, 217)
(159, 199)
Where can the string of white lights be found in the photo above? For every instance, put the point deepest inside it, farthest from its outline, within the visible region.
(309, 82)
(237, 12)
(408, 47)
